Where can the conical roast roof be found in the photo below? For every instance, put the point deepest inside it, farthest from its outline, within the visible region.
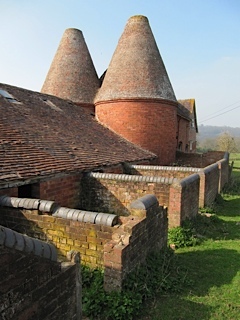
(136, 69)
(72, 75)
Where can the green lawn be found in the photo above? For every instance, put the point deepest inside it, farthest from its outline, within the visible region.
(213, 267)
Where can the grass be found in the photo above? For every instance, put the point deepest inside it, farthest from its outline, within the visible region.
(213, 266)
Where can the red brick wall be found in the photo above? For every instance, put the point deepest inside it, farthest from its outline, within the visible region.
(184, 202)
(183, 133)
(35, 288)
(150, 124)
(115, 196)
(200, 160)
(162, 171)
(11, 192)
(99, 246)
(209, 185)
(64, 190)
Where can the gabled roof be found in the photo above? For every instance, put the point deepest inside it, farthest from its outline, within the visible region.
(43, 135)
(136, 69)
(190, 106)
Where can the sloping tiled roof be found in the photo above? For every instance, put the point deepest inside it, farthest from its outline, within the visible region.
(72, 74)
(189, 105)
(183, 112)
(136, 69)
(44, 135)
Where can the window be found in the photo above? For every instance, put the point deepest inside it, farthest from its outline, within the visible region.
(8, 96)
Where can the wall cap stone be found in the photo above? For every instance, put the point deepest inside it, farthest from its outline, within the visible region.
(14, 240)
(144, 202)
(133, 178)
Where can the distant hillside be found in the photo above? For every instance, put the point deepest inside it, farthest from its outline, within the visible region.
(214, 131)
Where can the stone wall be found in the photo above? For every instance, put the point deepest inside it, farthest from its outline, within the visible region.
(32, 286)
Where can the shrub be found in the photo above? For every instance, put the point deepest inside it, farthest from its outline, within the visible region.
(160, 273)
(182, 236)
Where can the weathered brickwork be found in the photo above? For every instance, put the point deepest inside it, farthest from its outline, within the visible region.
(209, 177)
(200, 160)
(145, 230)
(64, 190)
(139, 233)
(209, 185)
(184, 202)
(137, 120)
(183, 134)
(113, 195)
(66, 235)
(162, 171)
(35, 288)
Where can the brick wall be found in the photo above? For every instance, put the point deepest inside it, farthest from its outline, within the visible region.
(224, 172)
(114, 193)
(32, 287)
(209, 185)
(144, 231)
(162, 171)
(183, 134)
(64, 190)
(184, 203)
(150, 124)
(200, 160)
(140, 232)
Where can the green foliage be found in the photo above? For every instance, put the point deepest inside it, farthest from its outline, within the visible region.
(160, 273)
(183, 236)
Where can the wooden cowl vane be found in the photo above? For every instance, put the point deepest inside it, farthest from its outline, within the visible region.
(72, 75)
(136, 99)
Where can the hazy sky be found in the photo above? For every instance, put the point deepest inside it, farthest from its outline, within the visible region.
(198, 41)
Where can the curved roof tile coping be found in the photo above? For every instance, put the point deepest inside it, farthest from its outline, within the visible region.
(27, 203)
(14, 240)
(144, 202)
(134, 178)
(136, 69)
(72, 75)
(106, 219)
(166, 168)
(185, 181)
(210, 168)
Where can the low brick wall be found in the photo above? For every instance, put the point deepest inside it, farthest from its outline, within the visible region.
(200, 160)
(144, 231)
(114, 193)
(33, 287)
(224, 168)
(209, 185)
(184, 203)
(161, 171)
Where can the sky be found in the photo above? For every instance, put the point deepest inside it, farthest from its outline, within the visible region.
(198, 41)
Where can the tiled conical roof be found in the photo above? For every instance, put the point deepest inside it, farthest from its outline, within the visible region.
(72, 75)
(136, 69)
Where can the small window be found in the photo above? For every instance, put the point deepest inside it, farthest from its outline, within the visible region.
(51, 104)
(8, 96)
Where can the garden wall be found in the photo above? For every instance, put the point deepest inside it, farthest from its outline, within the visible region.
(33, 285)
(114, 193)
(184, 200)
(200, 160)
(209, 185)
(134, 236)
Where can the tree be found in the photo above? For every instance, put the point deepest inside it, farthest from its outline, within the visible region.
(225, 142)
